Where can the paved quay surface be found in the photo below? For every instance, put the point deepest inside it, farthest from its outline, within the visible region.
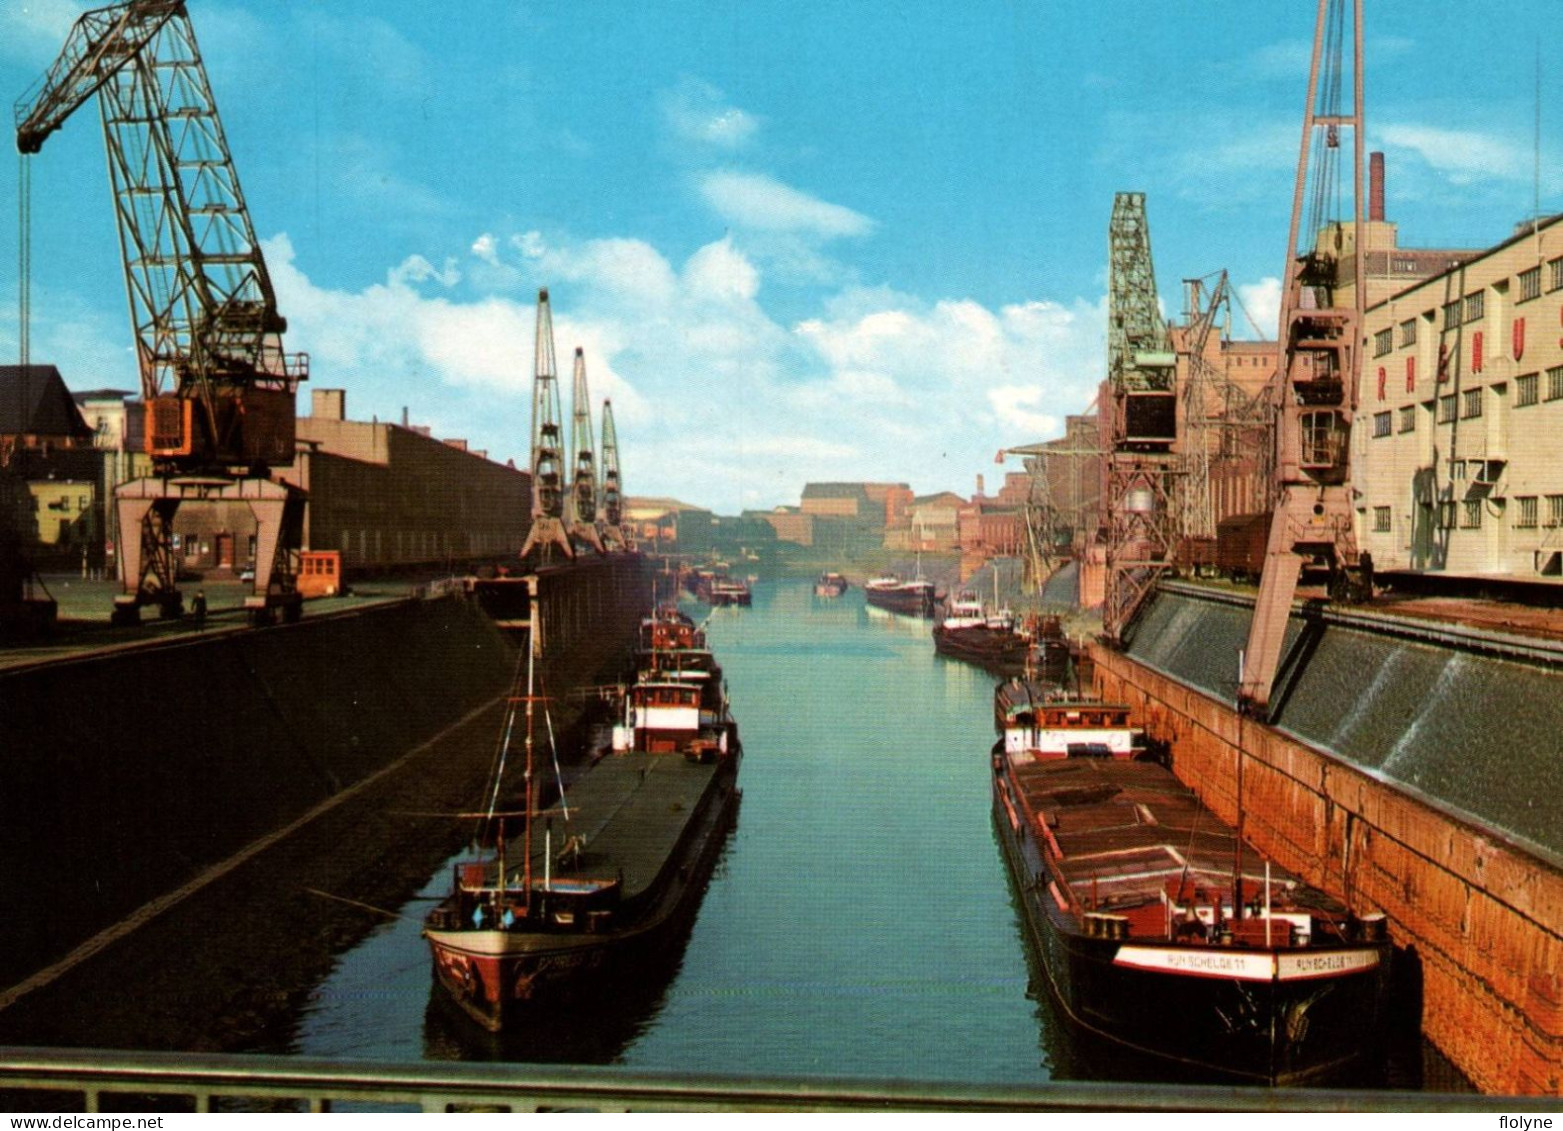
(85, 604)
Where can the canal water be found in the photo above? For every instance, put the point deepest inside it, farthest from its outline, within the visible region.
(859, 922)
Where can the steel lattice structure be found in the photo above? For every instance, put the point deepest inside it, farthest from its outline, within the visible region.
(548, 518)
(583, 485)
(208, 335)
(1223, 424)
(218, 387)
(1141, 404)
(610, 516)
(1316, 378)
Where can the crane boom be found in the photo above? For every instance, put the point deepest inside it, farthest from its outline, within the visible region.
(548, 525)
(218, 386)
(583, 486)
(100, 43)
(1316, 380)
(611, 518)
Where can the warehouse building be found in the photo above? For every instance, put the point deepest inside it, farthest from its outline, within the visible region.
(1460, 403)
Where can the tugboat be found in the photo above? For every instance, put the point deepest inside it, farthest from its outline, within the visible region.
(1157, 928)
(605, 877)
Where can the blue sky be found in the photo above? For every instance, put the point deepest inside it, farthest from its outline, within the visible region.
(800, 241)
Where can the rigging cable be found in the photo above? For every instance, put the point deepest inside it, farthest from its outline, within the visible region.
(24, 217)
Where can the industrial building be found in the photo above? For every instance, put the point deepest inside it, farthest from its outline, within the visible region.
(384, 495)
(390, 496)
(1460, 402)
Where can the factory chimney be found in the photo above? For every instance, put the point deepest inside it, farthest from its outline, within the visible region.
(1375, 186)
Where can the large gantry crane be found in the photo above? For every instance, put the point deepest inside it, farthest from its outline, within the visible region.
(548, 519)
(219, 390)
(1141, 410)
(1316, 380)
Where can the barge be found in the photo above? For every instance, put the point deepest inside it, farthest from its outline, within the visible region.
(1157, 928)
(914, 598)
(990, 639)
(610, 874)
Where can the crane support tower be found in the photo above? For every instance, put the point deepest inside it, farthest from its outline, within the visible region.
(583, 487)
(1224, 426)
(1140, 425)
(548, 520)
(610, 518)
(219, 389)
(1317, 375)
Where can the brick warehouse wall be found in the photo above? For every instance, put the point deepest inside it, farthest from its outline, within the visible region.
(1484, 917)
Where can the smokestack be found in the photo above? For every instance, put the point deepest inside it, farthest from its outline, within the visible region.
(1376, 186)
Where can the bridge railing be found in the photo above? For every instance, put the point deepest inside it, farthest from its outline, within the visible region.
(112, 1080)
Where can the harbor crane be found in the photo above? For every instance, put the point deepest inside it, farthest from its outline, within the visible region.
(610, 516)
(1141, 410)
(218, 387)
(548, 519)
(1054, 526)
(583, 488)
(1223, 424)
(1316, 393)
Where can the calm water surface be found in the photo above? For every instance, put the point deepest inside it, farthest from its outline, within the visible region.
(859, 922)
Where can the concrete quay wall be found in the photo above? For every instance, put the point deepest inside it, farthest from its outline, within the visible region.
(1480, 912)
(123, 775)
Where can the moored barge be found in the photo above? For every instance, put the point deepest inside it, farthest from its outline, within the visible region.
(1127, 883)
(990, 639)
(915, 598)
(609, 875)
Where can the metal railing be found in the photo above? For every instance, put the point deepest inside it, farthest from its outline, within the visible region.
(101, 1080)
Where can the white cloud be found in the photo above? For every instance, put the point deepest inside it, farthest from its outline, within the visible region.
(720, 273)
(1463, 156)
(1262, 303)
(753, 200)
(485, 249)
(698, 112)
(1021, 404)
(417, 269)
(716, 400)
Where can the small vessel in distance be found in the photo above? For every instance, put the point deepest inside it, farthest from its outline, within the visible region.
(831, 585)
(608, 875)
(913, 598)
(716, 588)
(1127, 883)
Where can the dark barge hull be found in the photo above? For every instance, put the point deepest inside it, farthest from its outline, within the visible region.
(496, 987)
(1210, 1028)
(997, 650)
(918, 603)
